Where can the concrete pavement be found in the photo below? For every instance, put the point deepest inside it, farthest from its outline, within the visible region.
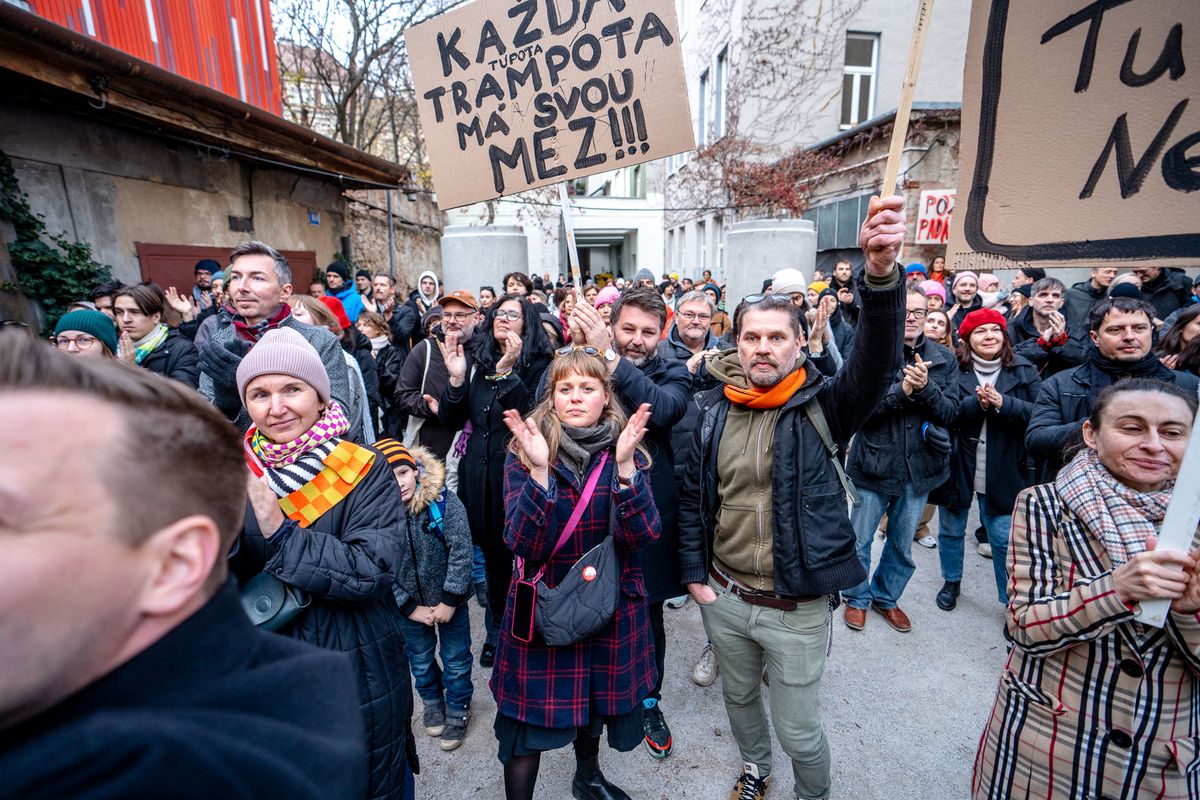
(903, 712)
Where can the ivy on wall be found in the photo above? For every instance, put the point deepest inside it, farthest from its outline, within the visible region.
(51, 270)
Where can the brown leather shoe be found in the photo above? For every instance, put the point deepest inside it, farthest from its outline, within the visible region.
(855, 618)
(894, 617)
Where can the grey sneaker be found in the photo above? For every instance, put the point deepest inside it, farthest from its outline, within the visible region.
(678, 602)
(455, 730)
(435, 718)
(984, 549)
(705, 671)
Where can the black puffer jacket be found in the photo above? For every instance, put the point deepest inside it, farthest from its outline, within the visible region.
(813, 541)
(889, 453)
(176, 358)
(346, 561)
(1009, 466)
(1065, 401)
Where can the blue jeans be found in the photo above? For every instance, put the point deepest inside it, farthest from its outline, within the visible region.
(895, 563)
(478, 572)
(452, 680)
(952, 529)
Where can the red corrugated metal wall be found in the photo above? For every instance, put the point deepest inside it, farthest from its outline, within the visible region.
(228, 45)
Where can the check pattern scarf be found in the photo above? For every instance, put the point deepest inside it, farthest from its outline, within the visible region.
(315, 472)
(1119, 516)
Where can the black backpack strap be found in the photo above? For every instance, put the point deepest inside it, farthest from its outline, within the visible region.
(816, 415)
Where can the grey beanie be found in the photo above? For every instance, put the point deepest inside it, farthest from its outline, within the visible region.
(644, 274)
(283, 351)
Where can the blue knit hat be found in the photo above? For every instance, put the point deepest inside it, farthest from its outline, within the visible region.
(96, 323)
(912, 268)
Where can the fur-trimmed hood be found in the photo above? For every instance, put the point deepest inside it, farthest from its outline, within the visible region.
(431, 479)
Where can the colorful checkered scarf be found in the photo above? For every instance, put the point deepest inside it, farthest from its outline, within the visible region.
(333, 423)
(317, 474)
(1119, 516)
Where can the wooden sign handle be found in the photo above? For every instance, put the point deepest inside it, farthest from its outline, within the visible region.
(900, 127)
(569, 228)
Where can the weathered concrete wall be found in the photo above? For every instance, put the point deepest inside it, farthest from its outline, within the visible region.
(475, 256)
(758, 249)
(417, 232)
(113, 188)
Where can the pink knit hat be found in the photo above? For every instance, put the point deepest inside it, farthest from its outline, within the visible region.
(283, 351)
(933, 287)
(608, 294)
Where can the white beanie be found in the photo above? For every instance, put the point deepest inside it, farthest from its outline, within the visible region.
(788, 281)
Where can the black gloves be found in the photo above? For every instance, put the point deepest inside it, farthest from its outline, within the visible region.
(936, 439)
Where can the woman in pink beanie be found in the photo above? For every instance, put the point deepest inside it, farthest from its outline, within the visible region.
(605, 299)
(935, 292)
(323, 522)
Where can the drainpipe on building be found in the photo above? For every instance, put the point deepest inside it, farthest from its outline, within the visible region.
(391, 246)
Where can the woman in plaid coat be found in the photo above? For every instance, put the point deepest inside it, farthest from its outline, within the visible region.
(1093, 704)
(547, 697)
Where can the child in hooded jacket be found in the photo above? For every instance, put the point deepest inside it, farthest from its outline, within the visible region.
(433, 582)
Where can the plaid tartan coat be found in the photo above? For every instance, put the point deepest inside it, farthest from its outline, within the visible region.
(610, 673)
(1091, 704)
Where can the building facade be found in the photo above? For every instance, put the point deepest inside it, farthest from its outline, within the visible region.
(817, 82)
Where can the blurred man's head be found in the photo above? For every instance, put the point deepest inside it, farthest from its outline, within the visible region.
(1102, 277)
(121, 495)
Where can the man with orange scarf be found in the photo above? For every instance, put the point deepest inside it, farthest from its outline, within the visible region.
(765, 541)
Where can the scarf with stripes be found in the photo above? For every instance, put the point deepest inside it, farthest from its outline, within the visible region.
(314, 472)
(1120, 517)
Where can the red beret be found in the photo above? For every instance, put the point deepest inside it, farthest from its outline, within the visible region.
(981, 316)
(339, 311)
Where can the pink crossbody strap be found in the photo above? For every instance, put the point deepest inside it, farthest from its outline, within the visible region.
(572, 523)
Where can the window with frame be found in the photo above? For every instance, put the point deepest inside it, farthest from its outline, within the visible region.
(702, 106)
(719, 89)
(702, 241)
(858, 78)
(838, 222)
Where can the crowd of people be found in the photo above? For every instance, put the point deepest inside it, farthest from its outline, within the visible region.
(349, 469)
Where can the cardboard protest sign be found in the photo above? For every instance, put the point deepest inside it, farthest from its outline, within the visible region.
(933, 216)
(515, 94)
(1080, 135)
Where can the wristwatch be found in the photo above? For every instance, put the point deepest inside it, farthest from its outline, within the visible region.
(624, 481)
(610, 355)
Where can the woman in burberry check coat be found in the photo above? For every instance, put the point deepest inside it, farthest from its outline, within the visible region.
(548, 697)
(324, 518)
(1091, 703)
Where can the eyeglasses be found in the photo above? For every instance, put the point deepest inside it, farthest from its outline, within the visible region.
(916, 313)
(511, 316)
(458, 316)
(83, 342)
(587, 349)
(691, 316)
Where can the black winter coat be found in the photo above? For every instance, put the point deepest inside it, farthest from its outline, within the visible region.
(481, 469)
(346, 561)
(1024, 335)
(672, 349)
(1065, 401)
(813, 543)
(388, 363)
(360, 348)
(176, 358)
(1009, 466)
(216, 708)
(1170, 291)
(664, 384)
(889, 453)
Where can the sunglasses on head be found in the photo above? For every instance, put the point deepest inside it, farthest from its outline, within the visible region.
(588, 349)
